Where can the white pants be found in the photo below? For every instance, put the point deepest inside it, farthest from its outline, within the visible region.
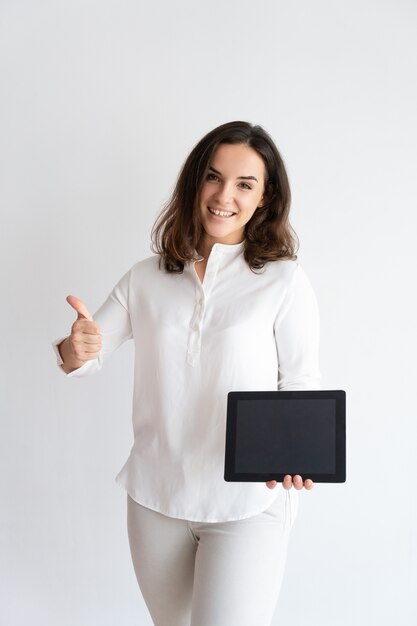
(211, 573)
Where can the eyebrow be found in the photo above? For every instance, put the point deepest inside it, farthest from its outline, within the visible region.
(243, 177)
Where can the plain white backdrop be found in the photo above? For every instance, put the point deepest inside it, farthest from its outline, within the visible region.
(101, 101)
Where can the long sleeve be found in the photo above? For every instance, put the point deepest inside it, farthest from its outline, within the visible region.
(114, 321)
(297, 330)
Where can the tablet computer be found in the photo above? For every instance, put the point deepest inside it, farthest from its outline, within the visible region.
(273, 433)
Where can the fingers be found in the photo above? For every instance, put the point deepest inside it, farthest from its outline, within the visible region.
(289, 481)
(297, 482)
(82, 350)
(79, 306)
(85, 340)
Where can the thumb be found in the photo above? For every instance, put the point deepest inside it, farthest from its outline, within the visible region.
(80, 307)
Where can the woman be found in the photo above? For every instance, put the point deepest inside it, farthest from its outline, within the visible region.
(222, 306)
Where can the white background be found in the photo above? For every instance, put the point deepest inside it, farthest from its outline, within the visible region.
(101, 102)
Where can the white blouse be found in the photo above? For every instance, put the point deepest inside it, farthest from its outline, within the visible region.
(194, 342)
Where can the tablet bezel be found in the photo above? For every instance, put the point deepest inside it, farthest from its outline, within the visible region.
(232, 399)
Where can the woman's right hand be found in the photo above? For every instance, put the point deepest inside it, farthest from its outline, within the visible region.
(85, 340)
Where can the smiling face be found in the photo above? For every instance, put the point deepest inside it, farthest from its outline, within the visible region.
(233, 186)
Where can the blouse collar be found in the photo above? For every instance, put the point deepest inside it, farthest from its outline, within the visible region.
(225, 248)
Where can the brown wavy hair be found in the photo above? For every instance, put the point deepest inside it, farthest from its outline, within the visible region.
(268, 234)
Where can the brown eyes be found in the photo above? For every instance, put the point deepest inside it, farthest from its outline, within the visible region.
(211, 176)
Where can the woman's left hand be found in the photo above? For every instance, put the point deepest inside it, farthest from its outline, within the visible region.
(289, 481)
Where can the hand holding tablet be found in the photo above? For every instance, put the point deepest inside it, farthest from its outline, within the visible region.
(289, 481)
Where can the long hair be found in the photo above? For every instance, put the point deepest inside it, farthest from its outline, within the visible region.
(268, 234)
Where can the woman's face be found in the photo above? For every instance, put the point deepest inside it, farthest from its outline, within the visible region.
(235, 185)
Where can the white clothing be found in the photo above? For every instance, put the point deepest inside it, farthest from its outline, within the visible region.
(210, 574)
(194, 342)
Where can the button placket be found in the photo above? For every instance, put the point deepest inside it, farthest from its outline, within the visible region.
(194, 337)
(202, 292)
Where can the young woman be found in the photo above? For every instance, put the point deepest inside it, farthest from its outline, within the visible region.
(222, 306)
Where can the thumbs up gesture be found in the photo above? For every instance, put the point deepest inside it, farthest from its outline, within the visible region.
(85, 340)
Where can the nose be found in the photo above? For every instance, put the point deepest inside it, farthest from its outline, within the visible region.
(224, 194)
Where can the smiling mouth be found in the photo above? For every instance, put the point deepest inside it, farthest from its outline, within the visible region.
(224, 214)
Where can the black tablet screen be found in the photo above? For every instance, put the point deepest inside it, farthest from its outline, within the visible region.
(286, 436)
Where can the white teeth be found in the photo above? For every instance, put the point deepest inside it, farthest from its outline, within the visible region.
(221, 213)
